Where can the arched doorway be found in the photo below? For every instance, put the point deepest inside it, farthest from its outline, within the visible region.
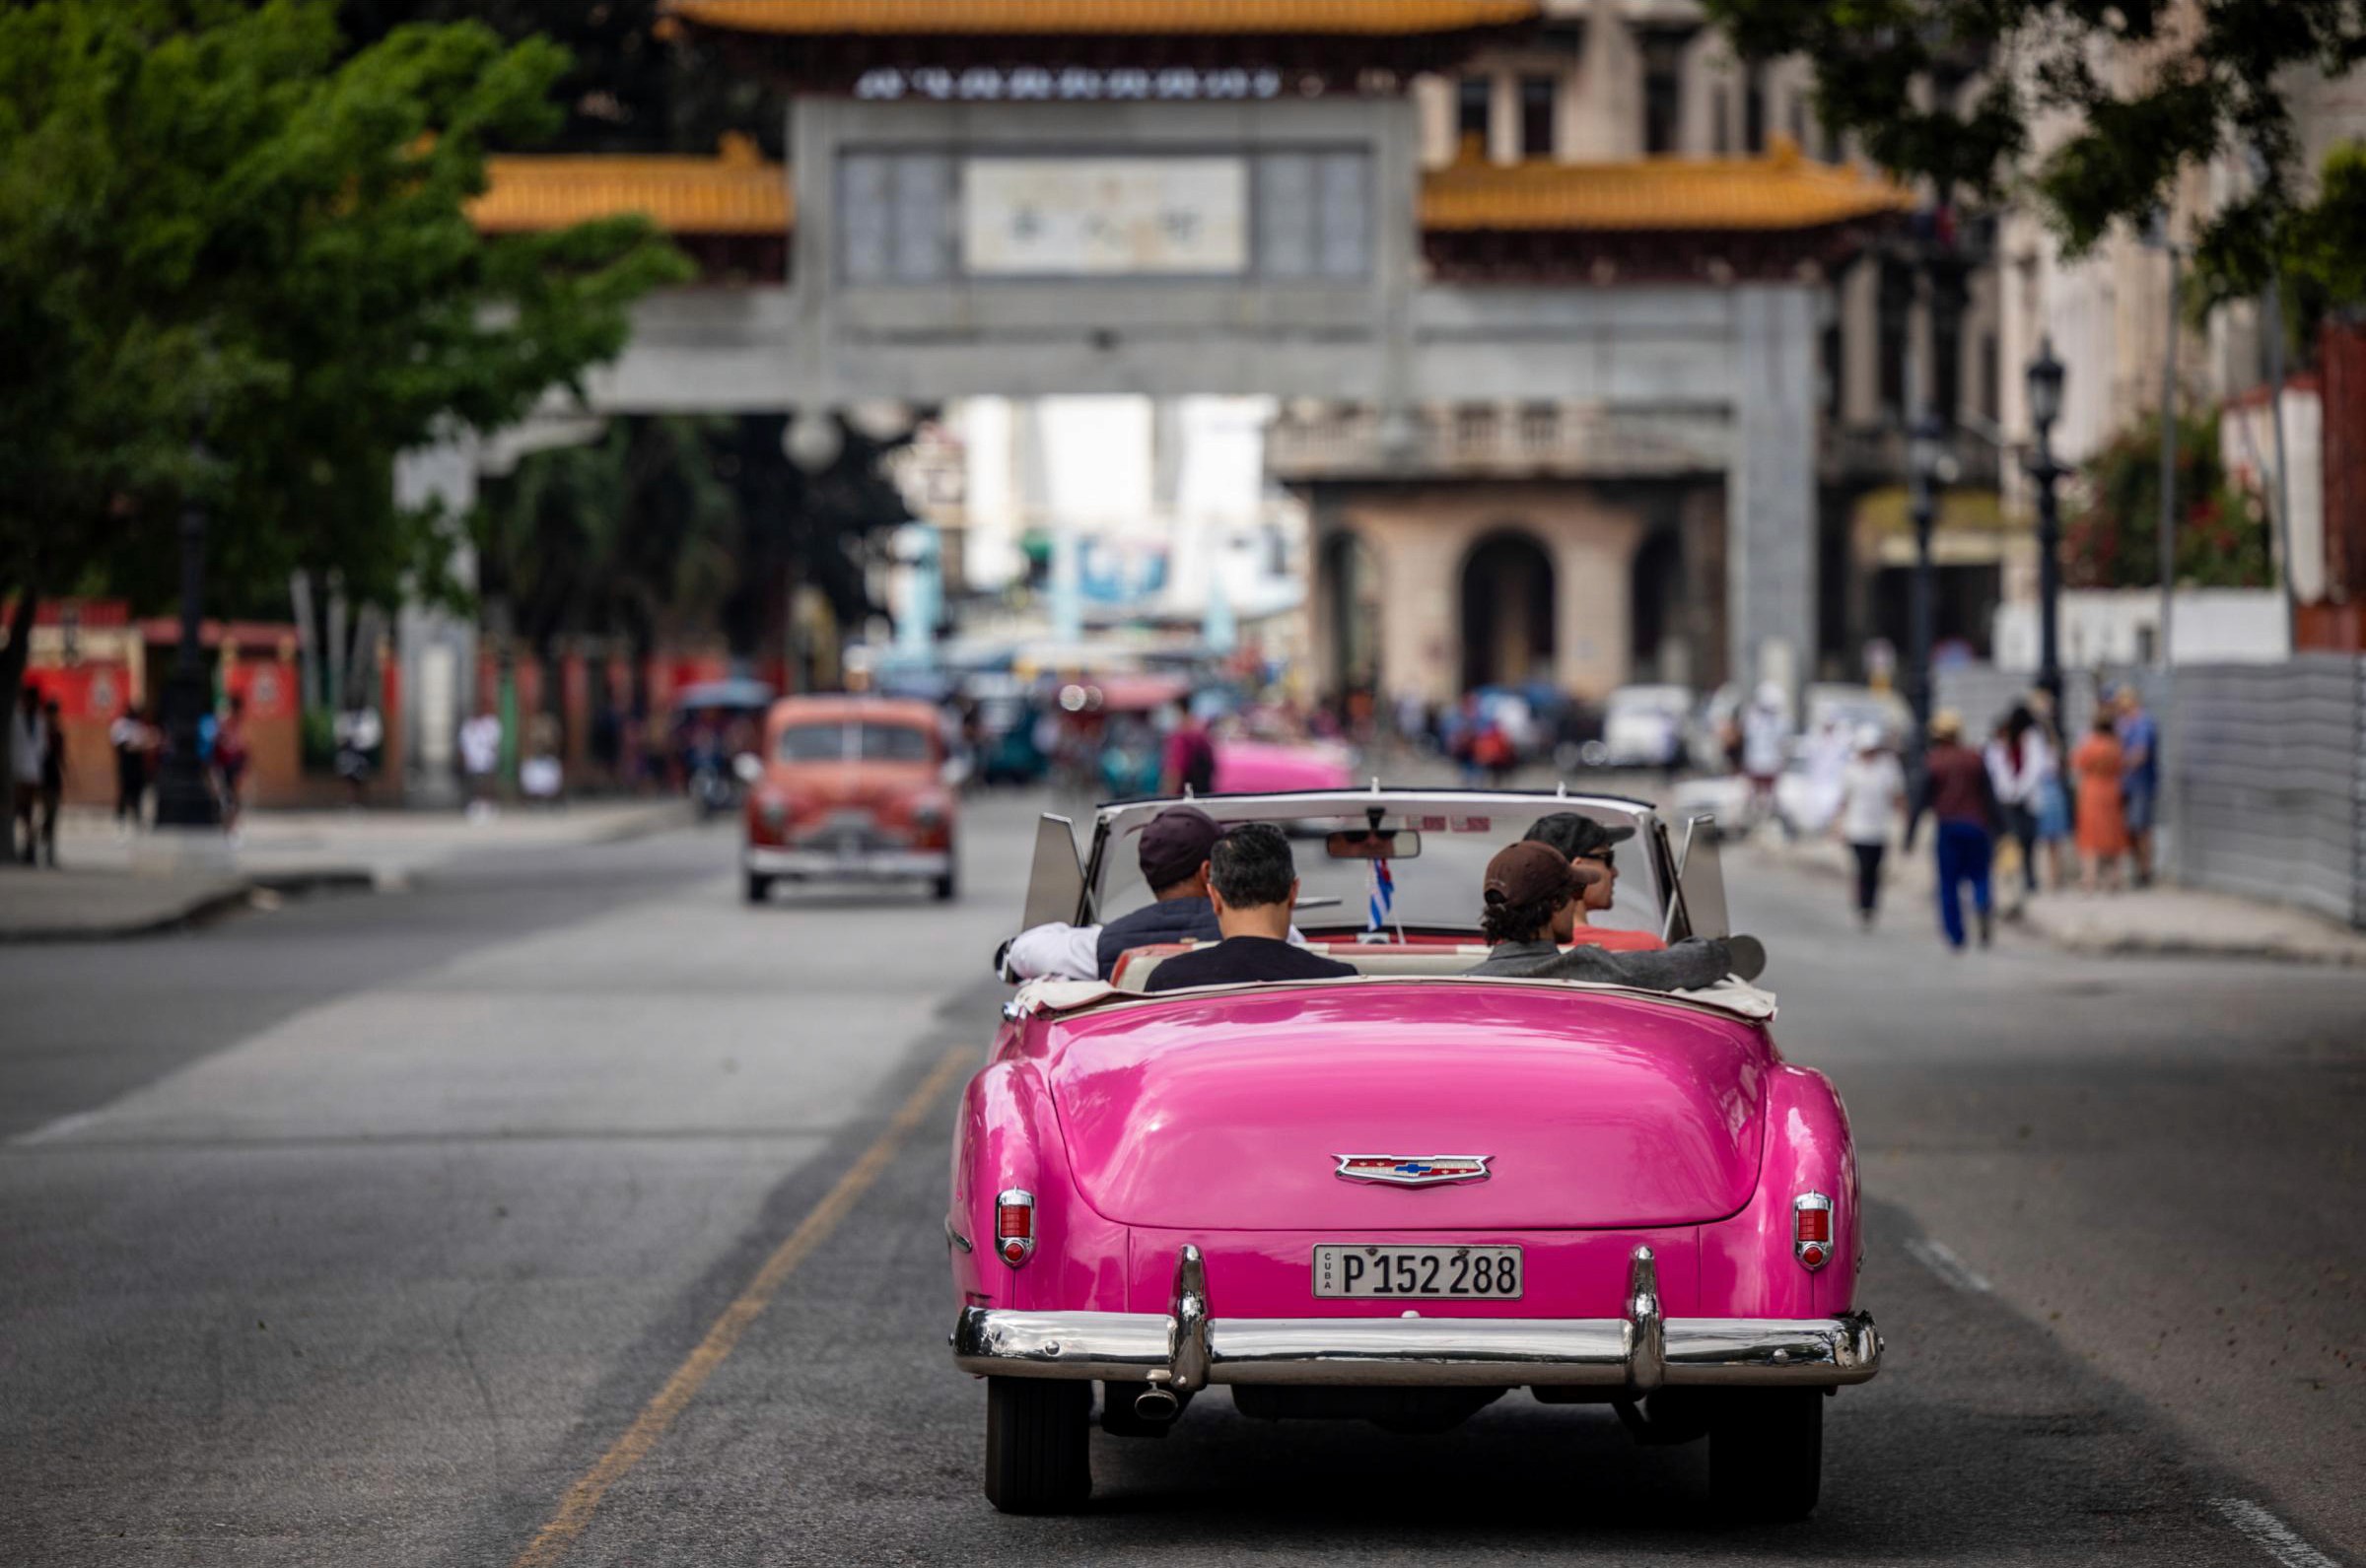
(1506, 611)
(1348, 583)
(1658, 650)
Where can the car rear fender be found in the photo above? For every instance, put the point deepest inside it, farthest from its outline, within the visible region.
(1748, 1266)
(1010, 1138)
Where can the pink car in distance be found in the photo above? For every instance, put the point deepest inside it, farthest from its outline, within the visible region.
(1402, 1195)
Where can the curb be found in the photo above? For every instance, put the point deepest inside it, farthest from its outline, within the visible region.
(202, 906)
(2134, 946)
(2040, 927)
(196, 911)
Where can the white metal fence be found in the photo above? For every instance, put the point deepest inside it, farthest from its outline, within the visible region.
(2267, 781)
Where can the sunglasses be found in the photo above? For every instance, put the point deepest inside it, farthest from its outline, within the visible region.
(1607, 857)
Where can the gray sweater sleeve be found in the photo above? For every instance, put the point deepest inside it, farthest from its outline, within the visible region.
(1688, 964)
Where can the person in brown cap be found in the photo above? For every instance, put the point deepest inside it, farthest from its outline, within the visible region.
(1172, 852)
(1531, 894)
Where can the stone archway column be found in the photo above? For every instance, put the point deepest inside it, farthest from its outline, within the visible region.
(1771, 487)
(1418, 557)
(1594, 567)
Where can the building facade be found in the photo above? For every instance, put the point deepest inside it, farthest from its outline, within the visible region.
(1543, 295)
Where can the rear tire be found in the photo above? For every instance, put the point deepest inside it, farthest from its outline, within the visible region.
(1038, 1436)
(947, 888)
(759, 887)
(1765, 1455)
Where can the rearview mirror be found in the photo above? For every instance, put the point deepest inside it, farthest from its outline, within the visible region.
(1055, 880)
(1361, 846)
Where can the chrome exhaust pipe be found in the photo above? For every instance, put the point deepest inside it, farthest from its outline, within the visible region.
(1156, 1404)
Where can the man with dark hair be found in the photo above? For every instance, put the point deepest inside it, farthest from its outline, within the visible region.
(1531, 895)
(1173, 854)
(1253, 884)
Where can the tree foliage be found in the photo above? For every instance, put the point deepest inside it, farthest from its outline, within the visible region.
(1951, 89)
(673, 526)
(630, 89)
(2112, 540)
(235, 268)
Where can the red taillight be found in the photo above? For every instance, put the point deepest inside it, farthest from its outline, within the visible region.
(1811, 1230)
(1015, 1225)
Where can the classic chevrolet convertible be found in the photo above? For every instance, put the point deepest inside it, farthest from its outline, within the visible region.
(1401, 1196)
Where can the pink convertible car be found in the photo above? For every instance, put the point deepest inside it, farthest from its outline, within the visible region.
(1402, 1195)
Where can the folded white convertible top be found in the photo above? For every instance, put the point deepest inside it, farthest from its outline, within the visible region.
(1735, 997)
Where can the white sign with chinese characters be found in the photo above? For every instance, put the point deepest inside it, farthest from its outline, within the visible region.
(1104, 216)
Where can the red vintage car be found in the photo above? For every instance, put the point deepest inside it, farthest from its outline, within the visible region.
(1401, 1195)
(849, 788)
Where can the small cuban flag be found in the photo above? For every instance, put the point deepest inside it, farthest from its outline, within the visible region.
(1383, 895)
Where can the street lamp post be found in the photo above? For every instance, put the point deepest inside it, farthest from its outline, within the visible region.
(2156, 237)
(1927, 469)
(2044, 380)
(183, 797)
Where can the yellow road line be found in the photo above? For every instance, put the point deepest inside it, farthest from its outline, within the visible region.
(575, 1510)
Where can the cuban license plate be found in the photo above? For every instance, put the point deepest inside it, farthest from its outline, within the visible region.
(1481, 1273)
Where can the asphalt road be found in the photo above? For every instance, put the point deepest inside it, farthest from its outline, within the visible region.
(565, 1208)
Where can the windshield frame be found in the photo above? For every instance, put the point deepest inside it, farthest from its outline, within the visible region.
(1114, 821)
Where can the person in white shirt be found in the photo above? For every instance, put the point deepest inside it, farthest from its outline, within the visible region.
(1766, 747)
(2013, 756)
(1872, 799)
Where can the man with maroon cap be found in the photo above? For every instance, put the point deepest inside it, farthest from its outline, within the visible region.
(1531, 895)
(1173, 854)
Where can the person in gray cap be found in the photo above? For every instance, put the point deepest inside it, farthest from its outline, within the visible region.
(1531, 895)
(1592, 846)
(1173, 854)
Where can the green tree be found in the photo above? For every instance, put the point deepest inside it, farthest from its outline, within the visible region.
(2112, 538)
(633, 87)
(1948, 91)
(237, 269)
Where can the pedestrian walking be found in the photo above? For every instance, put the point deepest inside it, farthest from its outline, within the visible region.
(230, 762)
(1766, 748)
(2048, 797)
(1189, 766)
(2140, 777)
(359, 733)
(2101, 766)
(1872, 799)
(25, 733)
(53, 778)
(480, 756)
(133, 738)
(2008, 756)
(1957, 793)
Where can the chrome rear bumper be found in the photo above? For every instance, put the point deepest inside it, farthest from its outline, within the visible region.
(1185, 1348)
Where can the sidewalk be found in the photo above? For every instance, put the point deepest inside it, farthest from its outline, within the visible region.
(2159, 919)
(128, 886)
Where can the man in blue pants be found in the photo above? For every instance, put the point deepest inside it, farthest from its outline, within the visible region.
(1957, 792)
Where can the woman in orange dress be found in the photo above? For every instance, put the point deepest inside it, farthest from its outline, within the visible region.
(2098, 765)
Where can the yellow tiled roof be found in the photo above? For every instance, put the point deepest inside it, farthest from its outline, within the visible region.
(1370, 18)
(735, 192)
(1782, 190)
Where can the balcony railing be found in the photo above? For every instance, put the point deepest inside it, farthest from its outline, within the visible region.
(1493, 441)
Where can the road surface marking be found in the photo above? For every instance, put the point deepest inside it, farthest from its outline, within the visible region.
(2270, 1533)
(63, 1127)
(1952, 1271)
(575, 1510)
